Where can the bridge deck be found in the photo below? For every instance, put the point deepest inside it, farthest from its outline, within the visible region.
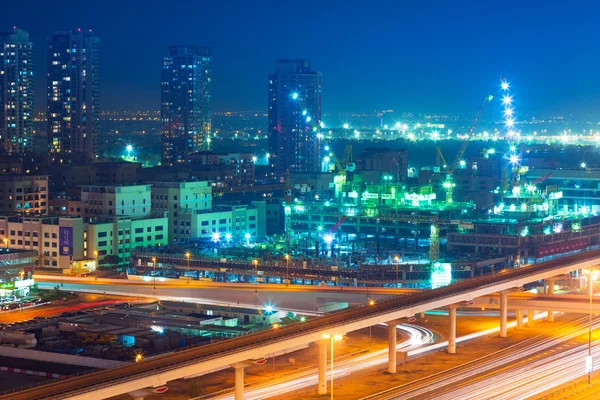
(106, 383)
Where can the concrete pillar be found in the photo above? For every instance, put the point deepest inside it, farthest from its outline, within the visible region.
(322, 388)
(550, 292)
(503, 313)
(239, 382)
(392, 334)
(519, 319)
(530, 315)
(451, 330)
(590, 286)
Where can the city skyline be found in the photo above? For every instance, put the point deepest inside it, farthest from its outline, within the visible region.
(417, 58)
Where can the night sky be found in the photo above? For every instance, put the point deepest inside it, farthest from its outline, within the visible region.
(417, 56)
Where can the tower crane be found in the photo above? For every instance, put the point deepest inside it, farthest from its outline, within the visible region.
(449, 169)
(342, 167)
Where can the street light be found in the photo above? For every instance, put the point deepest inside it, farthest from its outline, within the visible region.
(255, 263)
(287, 266)
(5, 240)
(332, 338)
(591, 276)
(154, 280)
(188, 255)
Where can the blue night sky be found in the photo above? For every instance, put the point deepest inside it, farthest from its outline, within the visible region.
(417, 56)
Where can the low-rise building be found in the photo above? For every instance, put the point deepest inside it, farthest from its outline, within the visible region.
(16, 267)
(117, 236)
(179, 198)
(129, 200)
(23, 194)
(77, 243)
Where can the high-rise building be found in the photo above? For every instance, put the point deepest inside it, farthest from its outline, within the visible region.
(294, 118)
(73, 97)
(185, 112)
(16, 91)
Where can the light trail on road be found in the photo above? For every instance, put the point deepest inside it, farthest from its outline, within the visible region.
(519, 372)
(418, 336)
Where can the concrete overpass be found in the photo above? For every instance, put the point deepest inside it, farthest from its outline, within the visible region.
(159, 371)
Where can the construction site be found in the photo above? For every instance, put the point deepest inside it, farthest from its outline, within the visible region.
(482, 208)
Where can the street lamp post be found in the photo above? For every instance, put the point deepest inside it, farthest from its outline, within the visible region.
(154, 280)
(591, 276)
(287, 266)
(5, 240)
(332, 338)
(255, 263)
(188, 255)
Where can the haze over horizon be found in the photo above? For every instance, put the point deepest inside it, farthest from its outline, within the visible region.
(428, 57)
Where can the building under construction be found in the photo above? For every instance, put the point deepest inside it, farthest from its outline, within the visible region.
(388, 218)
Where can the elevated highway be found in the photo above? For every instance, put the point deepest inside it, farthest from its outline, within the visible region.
(194, 361)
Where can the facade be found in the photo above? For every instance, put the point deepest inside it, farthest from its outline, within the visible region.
(294, 118)
(23, 194)
(71, 242)
(186, 115)
(104, 173)
(73, 93)
(238, 167)
(119, 201)
(240, 221)
(580, 187)
(119, 235)
(16, 268)
(177, 198)
(57, 241)
(16, 91)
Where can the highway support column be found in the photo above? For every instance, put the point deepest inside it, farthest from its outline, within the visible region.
(590, 286)
(503, 313)
(550, 292)
(392, 343)
(452, 329)
(240, 375)
(519, 319)
(530, 315)
(322, 385)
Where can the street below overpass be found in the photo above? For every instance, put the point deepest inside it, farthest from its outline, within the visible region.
(521, 371)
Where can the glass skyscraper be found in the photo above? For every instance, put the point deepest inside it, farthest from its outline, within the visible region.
(185, 112)
(16, 91)
(73, 93)
(294, 118)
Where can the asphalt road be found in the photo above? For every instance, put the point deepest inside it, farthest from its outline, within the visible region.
(519, 372)
(84, 301)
